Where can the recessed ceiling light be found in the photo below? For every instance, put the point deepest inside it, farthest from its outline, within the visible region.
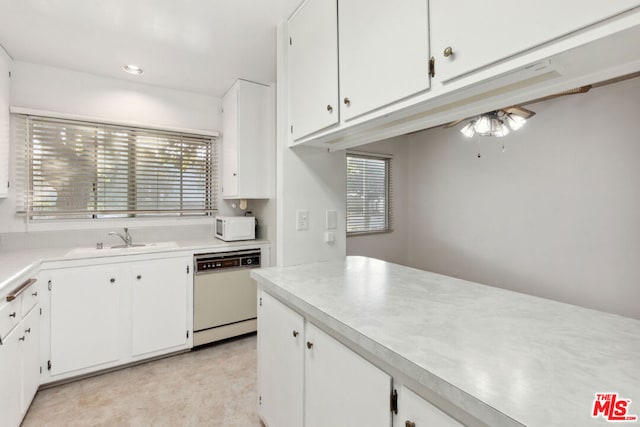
(133, 69)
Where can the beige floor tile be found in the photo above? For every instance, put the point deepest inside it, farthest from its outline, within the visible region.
(212, 386)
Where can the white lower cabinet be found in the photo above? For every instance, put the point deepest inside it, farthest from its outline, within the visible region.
(19, 355)
(340, 387)
(30, 357)
(414, 411)
(102, 316)
(159, 306)
(10, 385)
(85, 318)
(306, 377)
(280, 363)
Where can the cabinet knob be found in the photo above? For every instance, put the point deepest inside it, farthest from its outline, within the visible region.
(448, 51)
(139, 276)
(309, 344)
(35, 294)
(13, 314)
(235, 174)
(347, 101)
(409, 424)
(21, 338)
(295, 333)
(329, 108)
(27, 331)
(112, 280)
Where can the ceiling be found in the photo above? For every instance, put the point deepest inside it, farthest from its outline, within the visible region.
(195, 45)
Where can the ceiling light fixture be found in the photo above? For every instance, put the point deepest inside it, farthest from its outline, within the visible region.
(133, 69)
(496, 123)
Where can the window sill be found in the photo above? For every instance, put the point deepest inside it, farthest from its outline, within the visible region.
(368, 233)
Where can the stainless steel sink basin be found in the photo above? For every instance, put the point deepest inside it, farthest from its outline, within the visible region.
(138, 245)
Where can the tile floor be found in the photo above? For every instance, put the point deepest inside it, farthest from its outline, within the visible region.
(212, 386)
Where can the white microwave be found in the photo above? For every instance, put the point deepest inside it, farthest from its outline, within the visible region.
(231, 228)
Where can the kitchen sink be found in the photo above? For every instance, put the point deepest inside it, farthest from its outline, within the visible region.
(122, 249)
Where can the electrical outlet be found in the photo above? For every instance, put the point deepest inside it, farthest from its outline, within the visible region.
(302, 220)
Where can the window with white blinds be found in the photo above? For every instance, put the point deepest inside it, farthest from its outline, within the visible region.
(73, 169)
(368, 193)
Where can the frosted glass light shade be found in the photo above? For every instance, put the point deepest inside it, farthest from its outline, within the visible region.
(468, 130)
(482, 125)
(515, 122)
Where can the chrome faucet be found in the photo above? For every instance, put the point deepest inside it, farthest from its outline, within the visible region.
(126, 238)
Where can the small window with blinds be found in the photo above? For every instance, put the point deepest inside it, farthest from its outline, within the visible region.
(82, 170)
(368, 193)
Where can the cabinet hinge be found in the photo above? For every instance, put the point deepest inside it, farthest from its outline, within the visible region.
(48, 365)
(187, 334)
(432, 67)
(8, 184)
(188, 269)
(291, 128)
(49, 284)
(40, 311)
(40, 370)
(259, 400)
(260, 301)
(290, 41)
(394, 401)
(9, 74)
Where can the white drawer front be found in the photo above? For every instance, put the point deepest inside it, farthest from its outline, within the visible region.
(9, 316)
(30, 298)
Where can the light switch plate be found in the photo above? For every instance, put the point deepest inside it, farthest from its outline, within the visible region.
(329, 237)
(302, 220)
(331, 220)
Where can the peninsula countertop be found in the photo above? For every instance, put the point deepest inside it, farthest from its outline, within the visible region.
(501, 356)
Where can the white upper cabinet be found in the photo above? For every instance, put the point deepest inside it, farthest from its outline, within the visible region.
(5, 64)
(248, 141)
(480, 33)
(384, 53)
(313, 67)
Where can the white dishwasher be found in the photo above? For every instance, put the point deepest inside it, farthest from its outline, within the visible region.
(224, 296)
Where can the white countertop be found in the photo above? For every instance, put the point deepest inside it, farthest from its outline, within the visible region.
(18, 265)
(492, 352)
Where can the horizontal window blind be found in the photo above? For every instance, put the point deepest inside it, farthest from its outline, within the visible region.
(73, 169)
(368, 193)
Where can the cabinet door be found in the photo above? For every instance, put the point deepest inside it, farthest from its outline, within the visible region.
(5, 63)
(85, 318)
(414, 409)
(313, 68)
(159, 293)
(384, 53)
(30, 357)
(483, 32)
(280, 363)
(247, 140)
(340, 387)
(230, 137)
(10, 375)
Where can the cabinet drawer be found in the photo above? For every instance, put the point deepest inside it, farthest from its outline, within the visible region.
(30, 298)
(9, 317)
(415, 411)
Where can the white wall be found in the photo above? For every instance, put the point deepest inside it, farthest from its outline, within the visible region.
(391, 246)
(556, 215)
(64, 91)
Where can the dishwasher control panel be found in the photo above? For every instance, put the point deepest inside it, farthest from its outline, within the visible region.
(224, 260)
